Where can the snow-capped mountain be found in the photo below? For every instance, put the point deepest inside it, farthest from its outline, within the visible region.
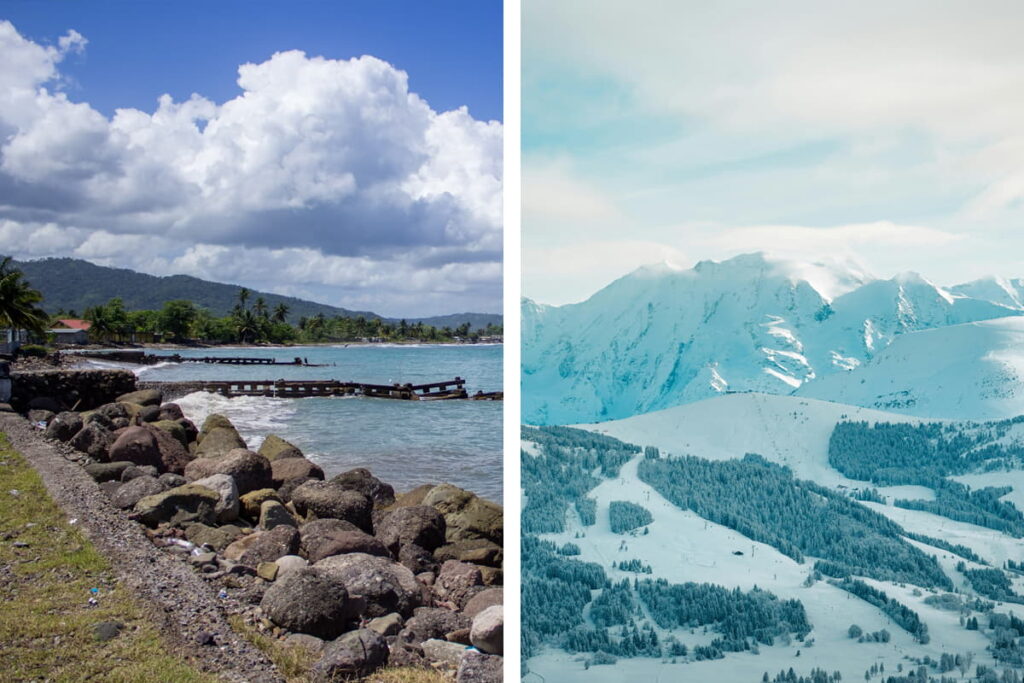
(661, 336)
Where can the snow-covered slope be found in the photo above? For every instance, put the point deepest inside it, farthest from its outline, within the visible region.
(660, 336)
(969, 371)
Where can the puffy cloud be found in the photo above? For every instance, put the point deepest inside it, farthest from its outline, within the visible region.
(334, 159)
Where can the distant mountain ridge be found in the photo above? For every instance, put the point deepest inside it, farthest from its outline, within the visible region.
(661, 337)
(75, 284)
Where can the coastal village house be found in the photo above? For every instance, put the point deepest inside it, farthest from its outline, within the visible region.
(71, 331)
(10, 340)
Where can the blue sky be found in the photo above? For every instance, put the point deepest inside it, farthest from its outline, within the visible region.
(888, 136)
(348, 152)
(141, 49)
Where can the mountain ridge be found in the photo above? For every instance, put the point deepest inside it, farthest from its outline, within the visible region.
(76, 284)
(660, 336)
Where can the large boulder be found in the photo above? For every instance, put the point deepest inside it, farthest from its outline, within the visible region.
(273, 514)
(488, 630)
(417, 559)
(467, 515)
(354, 655)
(421, 525)
(275, 448)
(361, 480)
(477, 667)
(344, 542)
(143, 397)
(252, 502)
(457, 582)
(321, 531)
(64, 426)
(217, 538)
(432, 622)
(250, 471)
(476, 551)
(118, 410)
(218, 437)
(310, 601)
(171, 411)
(224, 485)
(174, 429)
(286, 469)
(94, 440)
(264, 546)
(178, 506)
(482, 600)
(147, 445)
(328, 500)
(134, 490)
(385, 585)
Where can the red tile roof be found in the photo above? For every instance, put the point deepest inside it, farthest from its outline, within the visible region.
(75, 324)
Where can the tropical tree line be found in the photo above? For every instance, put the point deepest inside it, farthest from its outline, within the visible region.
(253, 321)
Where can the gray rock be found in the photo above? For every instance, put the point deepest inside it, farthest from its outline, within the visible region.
(444, 652)
(418, 524)
(467, 516)
(249, 470)
(224, 485)
(456, 582)
(171, 411)
(218, 437)
(327, 500)
(136, 471)
(385, 585)
(482, 600)
(417, 559)
(150, 414)
(64, 426)
(388, 625)
(475, 551)
(172, 480)
(312, 602)
(134, 490)
(275, 448)
(432, 622)
(488, 630)
(94, 441)
(477, 667)
(355, 654)
(107, 471)
(264, 546)
(289, 564)
(305, 641)
(143, 397)
(179, 506)
(138, 446)
(38, 415)
(273, 514)
(344, 542)
(217, 538)
(361, 480)
(287, 469)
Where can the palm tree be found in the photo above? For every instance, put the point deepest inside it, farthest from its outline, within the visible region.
(102, 323)
(243, 297)
(246, 326)
(260, 307)
(18, 301)
(281, 312)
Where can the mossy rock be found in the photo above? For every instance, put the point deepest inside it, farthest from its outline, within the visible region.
(215, 421)
(252, 501)
(275, 448)
(174, 429)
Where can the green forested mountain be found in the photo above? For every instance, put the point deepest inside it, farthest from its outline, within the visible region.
(73, 285)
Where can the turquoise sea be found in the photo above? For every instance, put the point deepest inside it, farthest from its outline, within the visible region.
(405, 443)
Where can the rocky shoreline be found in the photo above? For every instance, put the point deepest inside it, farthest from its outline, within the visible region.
(207, 529)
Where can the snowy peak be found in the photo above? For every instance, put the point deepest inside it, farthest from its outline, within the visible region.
(995, 290)
(663, 336)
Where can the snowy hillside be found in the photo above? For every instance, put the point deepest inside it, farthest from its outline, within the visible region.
(678, 546)
(660, 336)
(970, 371)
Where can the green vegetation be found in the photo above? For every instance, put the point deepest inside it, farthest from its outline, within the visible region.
(762, 501)
(994, 584)
(46, 624)
(625, 516)
(180, 319)
(955, 548)
(18, 309)
(904, 617)
(925, 454)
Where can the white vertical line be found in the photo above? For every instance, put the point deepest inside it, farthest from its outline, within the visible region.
(512, 282)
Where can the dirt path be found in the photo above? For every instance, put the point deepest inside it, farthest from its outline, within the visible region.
(182, 604)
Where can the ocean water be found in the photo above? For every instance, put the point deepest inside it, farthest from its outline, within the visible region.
(405, 443)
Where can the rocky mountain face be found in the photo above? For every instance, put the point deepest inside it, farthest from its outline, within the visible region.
(661, 336)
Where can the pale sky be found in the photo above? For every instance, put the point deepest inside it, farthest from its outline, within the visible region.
(891, 134)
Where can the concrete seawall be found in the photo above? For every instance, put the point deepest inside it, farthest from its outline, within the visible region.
(68, 389)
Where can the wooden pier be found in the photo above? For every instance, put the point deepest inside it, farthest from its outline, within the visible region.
(143, 358)
(281, 388)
